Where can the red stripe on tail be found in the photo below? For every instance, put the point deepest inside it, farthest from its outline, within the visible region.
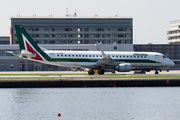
(30, 49)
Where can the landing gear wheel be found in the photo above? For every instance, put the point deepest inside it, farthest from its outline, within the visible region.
(156, 72)
(101, 72)
(91, 72)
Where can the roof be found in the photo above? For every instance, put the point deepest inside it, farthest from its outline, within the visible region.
(114, 17)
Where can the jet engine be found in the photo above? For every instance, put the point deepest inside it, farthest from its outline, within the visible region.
(124, 67)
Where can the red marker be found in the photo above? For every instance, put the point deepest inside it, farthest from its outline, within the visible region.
(59, 114)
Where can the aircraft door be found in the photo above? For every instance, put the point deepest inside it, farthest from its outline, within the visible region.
(22, 67)
(157, 58)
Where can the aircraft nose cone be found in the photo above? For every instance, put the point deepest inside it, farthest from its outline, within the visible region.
(172, 63)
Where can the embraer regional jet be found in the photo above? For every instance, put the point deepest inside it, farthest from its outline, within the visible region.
(93, 60)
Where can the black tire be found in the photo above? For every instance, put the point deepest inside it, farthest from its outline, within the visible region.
(156, 72)
(101, 72)
(91, 72)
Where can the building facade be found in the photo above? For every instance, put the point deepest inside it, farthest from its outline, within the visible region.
(75, 30)
(173, 35)
(4, 40)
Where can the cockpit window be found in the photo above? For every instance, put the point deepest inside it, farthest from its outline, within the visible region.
(164, 56)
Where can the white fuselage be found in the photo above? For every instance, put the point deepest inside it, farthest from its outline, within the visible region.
(87, 59)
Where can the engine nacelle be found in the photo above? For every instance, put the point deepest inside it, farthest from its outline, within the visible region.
(125, 67)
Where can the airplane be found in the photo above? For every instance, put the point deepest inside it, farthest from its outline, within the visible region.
(93, 60)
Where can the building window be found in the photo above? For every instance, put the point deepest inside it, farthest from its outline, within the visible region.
(2, 65)
(86, 29)
(120, 29)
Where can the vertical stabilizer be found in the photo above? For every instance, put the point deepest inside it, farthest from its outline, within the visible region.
(26, 43)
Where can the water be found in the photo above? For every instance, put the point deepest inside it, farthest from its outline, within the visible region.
(155, 103)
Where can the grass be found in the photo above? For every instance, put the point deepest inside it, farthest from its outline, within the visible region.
(27, 78)
(78, 78)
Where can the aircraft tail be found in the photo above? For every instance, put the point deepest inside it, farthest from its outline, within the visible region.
(28, 47)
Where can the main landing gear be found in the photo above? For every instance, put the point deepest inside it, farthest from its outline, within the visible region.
(100, 72)
(91, 72)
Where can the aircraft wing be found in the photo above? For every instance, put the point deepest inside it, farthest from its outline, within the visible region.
(105, 61)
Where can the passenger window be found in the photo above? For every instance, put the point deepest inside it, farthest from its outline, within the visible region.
(76, 55)
(69, 55)
(61, 55)
(116, 56)
(79, 55)
(100, 55)
(89, 55)
(96, 55)
(93, 55)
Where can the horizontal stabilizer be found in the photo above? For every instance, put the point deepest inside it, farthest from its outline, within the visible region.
(27, 54)
(14, 53)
